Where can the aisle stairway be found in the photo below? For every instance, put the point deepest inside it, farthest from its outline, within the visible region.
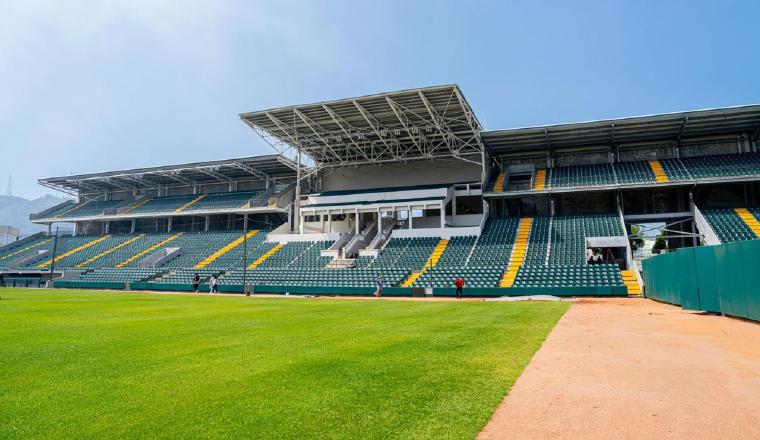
(26, 248)
(136, 205)
(73, 251)
(429, 264)
(518, 252)
(498, 186)
(659, 172)
(190, 203)
(749, 220)
(266, 255)
(540, 180)
(108, 251)
(147, 251)
(631, 283)
(228, 247)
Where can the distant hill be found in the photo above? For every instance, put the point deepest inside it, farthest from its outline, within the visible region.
(14, 211)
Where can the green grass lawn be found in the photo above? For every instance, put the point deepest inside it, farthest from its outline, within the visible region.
(77, 364)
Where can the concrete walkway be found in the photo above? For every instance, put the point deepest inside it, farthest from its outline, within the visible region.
(635, 368)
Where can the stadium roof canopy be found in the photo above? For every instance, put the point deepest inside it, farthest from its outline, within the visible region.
(673, 127)
(412, 124)
(272, 167)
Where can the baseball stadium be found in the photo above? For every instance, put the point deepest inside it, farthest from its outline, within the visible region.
(336, 259)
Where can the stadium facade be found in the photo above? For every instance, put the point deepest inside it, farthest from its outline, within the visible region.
(409, 185)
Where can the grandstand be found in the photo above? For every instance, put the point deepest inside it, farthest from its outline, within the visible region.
(408, 186)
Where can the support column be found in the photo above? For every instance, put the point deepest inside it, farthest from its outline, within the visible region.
(245, 222)
(443, 215)
(379, 222)
(356, 217)
(169, 225)
(454, 208)
(297, 205)
(134, 224)
(107, 227)
(208, 223)
(50, 228)
(329, 221)
(409, 212)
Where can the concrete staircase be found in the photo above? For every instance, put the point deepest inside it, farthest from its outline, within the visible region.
(228, 247)
(631, 282)
(540, 181)
(498, 186)
(749, 220)
(518, 252)
(659, 172)
(264, 257)
(430, 263)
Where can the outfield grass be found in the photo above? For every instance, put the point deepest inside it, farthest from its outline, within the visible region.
(77, 364)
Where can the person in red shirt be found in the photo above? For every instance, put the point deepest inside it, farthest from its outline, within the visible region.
(459, 283)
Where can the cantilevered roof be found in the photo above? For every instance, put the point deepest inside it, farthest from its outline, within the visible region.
(422, 123)
(273, 166)
(663, 127)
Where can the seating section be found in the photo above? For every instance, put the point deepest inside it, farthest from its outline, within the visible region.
(569, 232)
(127, 275)
(599, 275)
(722, 165)
(22, 250)
(141, 243)
(581, 175)
(315, 277)
(222, 201)
(494, 246)
(88, 209)
(402, 253)
(555, 256)
(186, 276)
(184, 203)
(163, 204)
(633, 172)
(637, 172)
(728, 226)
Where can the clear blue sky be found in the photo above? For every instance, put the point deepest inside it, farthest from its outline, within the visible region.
(91, 86)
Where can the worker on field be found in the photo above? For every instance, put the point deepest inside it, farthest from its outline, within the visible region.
(379, 286)
(196, 283)
(459, 284)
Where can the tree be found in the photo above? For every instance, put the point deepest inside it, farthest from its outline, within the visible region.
(638, 241)
(660, 243)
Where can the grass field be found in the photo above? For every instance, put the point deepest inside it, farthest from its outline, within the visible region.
(79, 364)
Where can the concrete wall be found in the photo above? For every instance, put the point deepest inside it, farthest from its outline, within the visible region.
(646, 152)
(396, 175)
(711, 147)
(583, 158)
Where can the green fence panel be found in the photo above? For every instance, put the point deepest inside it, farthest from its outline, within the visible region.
(88, 285)
(662, 278)
(739, 292)
(688, 285)
(716, 279)
(707, 279)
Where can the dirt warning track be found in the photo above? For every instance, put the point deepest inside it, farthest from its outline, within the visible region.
(635, 368)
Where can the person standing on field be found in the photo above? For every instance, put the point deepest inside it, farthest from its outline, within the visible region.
(196, 283)
(459, 284)
(379, 285)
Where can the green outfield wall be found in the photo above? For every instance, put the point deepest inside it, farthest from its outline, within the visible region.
(721, 279)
